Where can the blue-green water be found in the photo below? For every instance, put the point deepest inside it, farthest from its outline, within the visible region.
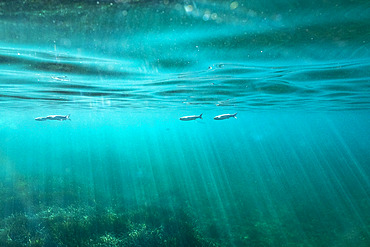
(292, 170)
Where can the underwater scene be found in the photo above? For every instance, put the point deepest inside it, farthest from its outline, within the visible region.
(184, 123)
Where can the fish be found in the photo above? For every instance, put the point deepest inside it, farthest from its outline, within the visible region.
(54, 117)
(225, 116)
(188, 118)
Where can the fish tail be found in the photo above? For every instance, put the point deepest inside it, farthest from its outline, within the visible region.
(200, 116)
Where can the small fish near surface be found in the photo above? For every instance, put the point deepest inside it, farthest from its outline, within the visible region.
(225, 116)
(189, 118)
(54, 117)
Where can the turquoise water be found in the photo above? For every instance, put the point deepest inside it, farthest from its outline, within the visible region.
(291, 170)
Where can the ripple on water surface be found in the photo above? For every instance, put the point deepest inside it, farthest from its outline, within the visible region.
(237, 54)
(38, 77)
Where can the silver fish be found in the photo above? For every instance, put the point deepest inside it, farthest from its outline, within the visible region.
(225, 116)
(54, 117)
(188, 118)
